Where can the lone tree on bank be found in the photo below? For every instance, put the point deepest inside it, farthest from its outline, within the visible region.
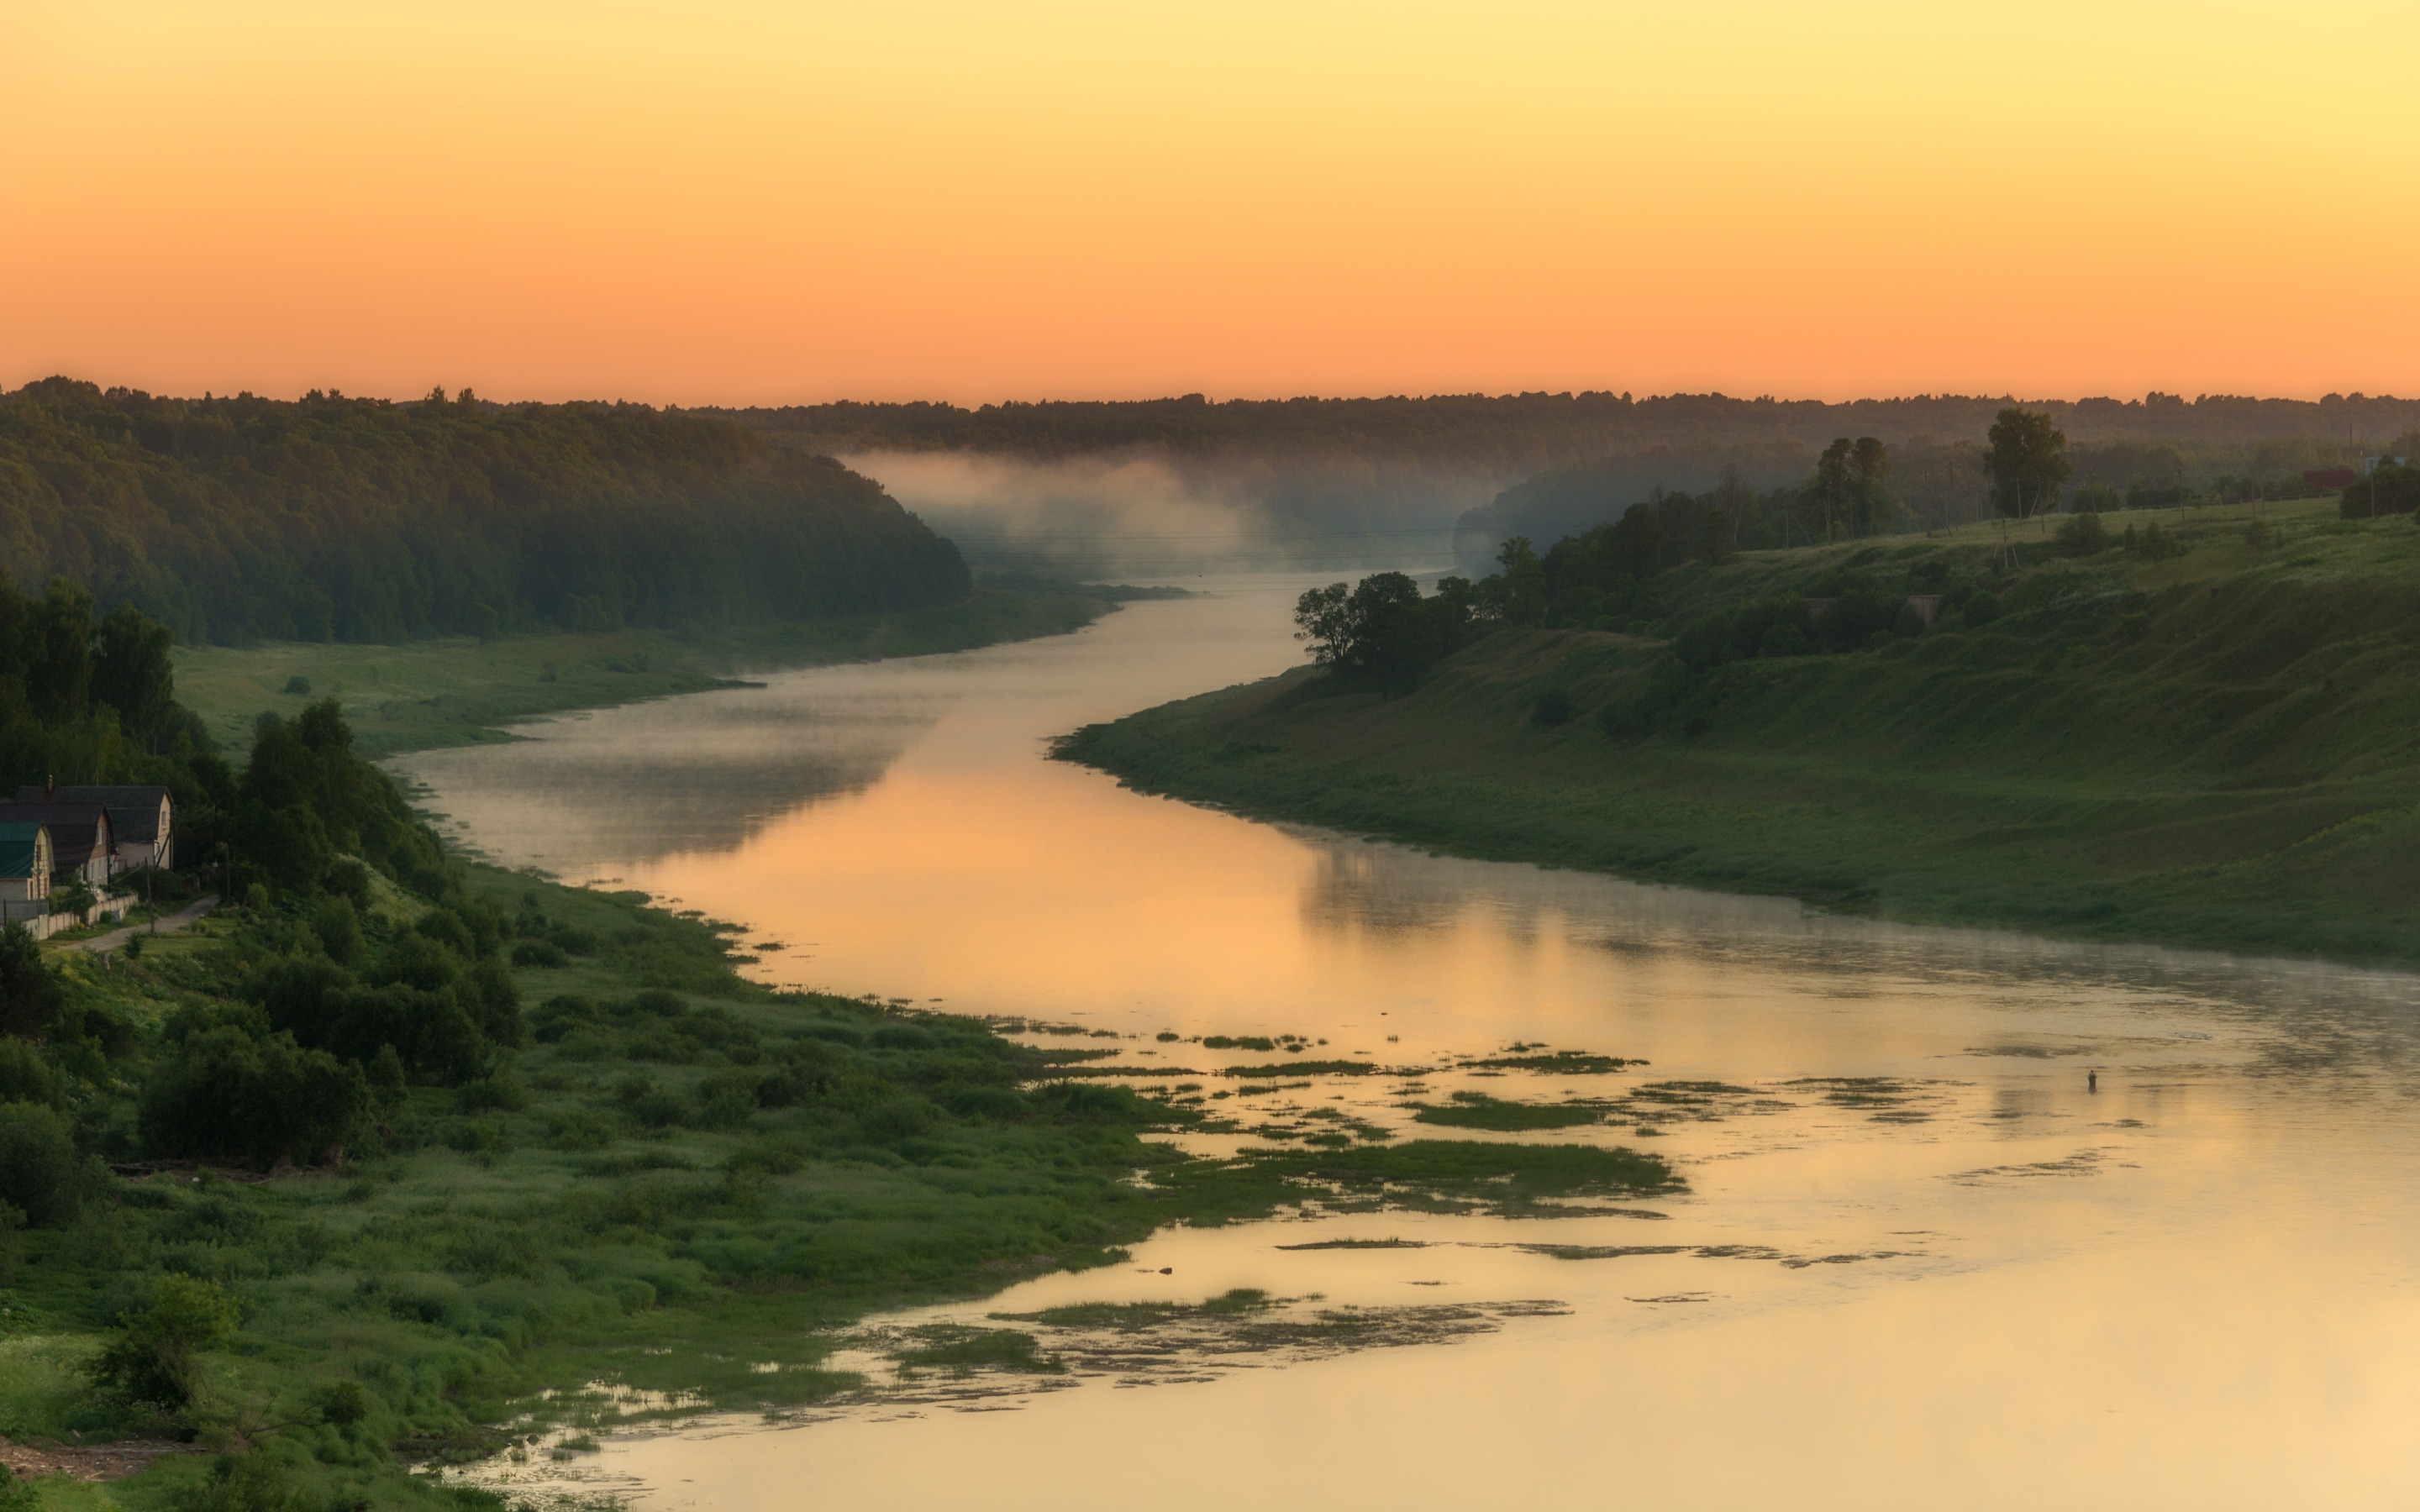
(2027, 471)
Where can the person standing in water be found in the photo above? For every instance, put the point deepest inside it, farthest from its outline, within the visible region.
(2092, 1081)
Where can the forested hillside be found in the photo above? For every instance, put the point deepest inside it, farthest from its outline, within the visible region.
(233, 519)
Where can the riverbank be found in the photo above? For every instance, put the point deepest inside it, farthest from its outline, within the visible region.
(2205, 749)
(457, 690)
(650, 1187)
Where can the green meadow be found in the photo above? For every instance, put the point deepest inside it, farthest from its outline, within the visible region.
(457, 690)
(2216, 745)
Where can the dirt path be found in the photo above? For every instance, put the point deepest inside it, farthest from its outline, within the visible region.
(169, 925)
(106, 1461)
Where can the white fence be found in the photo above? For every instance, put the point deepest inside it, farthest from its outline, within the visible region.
(41, 923)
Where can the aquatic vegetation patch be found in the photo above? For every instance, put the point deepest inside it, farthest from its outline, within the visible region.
(1422, 1175)
(1887, 1099)
(1303, 1068)
(1138, 1342)
(960, 1349)
(2083, 1163)
(1360, 1243)
(1566, 1062)
(1473, 1110)
(1704, 1252)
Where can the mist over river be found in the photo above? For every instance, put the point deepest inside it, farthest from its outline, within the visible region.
(1919, 1262)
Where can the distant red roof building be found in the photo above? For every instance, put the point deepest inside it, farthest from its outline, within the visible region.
(2329, 478)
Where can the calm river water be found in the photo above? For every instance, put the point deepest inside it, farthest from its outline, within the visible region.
(2192, 1289)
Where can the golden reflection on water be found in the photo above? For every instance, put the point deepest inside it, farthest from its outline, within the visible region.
(2194, 1288)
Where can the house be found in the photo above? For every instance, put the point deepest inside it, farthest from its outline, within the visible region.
(82, 841)
(25, 865)
(141, 819)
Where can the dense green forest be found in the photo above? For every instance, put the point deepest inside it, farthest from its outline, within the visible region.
(237, 519)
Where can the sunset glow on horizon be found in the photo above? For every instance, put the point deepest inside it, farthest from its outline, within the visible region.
(730, 203)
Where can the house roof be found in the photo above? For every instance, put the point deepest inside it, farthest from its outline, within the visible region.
(76, 828)
(133, 812)
(21, 846)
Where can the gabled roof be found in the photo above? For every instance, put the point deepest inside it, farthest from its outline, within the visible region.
(133, 812)
(21, 847)
(77, 829)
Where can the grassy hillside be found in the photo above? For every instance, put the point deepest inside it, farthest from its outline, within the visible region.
(455, 690)
(2216, 749)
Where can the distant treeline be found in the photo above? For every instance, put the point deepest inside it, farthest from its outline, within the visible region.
(1535, 430)
(232, 520)
(1555, 464)
(1932, 485)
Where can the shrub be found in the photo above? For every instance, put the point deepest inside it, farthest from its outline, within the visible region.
(338, 928)
(152, 1358)
(494, 1092)
(1553, 710)
(2389, 489)
(241, 1483)
(2154, 544)
(2081, 535)
(73, 897)
(2095, 499)
(1982, 607)
(350, 879)
(224, 1092)
(27, 1076)
(297, 686)
(40, 1173)
(543, 953)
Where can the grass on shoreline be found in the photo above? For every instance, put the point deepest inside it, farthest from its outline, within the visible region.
(457, 690)
(2215, 749)
(669, 1202)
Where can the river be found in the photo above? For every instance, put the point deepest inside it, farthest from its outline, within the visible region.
(1922, 1260)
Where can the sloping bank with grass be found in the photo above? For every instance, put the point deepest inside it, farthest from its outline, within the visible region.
(402, 1161)
(457, 690)
(2207, 738)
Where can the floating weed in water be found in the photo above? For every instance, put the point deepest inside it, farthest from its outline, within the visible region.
(1477, 1110)
(1678, 1296)
(1570, 1062)
(1887, 1099)
(1426, 1176)
(958, 1348)
(1302, 1068)
(1703, 1251)
(1360, 1243)
(2083, 1163)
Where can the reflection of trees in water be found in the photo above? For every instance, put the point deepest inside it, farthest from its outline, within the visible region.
(2302, 1018)
(703, 773)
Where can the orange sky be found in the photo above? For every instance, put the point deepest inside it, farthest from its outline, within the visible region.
(759, 202)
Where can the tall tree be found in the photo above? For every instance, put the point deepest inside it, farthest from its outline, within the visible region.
(133, 673)
(2027, 469)
(58, 661)
(1835, 489)
(1868, 467)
